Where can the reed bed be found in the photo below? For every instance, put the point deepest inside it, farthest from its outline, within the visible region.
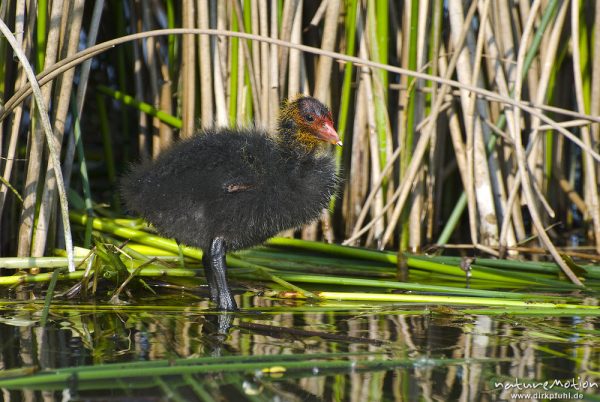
(471, 123)
(133, 260)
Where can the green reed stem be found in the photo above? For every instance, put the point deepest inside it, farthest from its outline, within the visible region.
(141, 106)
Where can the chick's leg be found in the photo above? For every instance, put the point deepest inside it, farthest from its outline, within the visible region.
(216, 275)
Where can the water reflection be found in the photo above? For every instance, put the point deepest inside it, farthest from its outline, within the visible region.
(355, 353)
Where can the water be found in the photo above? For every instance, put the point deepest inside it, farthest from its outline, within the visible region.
(171, 348)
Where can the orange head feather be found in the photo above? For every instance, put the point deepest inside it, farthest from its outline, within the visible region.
(307, 121)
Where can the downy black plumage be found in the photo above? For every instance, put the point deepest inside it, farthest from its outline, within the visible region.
(229, 189)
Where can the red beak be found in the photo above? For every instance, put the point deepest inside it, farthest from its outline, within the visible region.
(327, 133)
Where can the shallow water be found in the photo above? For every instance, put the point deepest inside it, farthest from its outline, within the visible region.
(291, 351)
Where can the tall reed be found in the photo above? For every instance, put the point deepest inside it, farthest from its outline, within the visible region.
(424, 162)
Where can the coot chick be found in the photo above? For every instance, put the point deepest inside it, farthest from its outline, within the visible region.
(229, 189)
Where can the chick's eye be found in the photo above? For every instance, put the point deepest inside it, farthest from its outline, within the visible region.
(309, 117)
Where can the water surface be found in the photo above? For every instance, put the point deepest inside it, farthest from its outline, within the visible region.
(171, 348)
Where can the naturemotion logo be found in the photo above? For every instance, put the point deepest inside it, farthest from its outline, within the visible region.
(548, 389)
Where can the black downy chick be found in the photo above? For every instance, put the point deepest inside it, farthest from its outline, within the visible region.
(229, 189)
